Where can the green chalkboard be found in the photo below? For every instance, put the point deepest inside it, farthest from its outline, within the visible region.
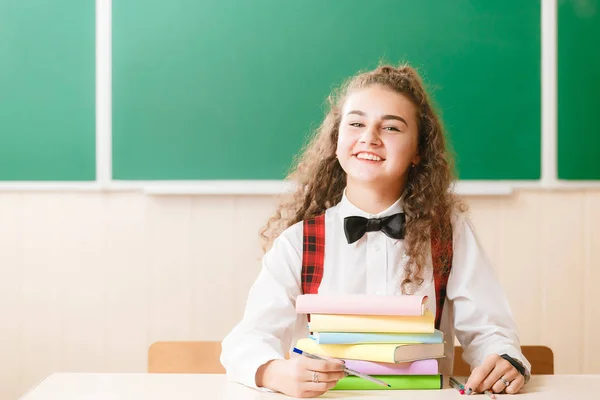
(47, 89)
(229, 89)
(578, 89)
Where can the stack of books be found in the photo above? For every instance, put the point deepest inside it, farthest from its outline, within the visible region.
(392, 338)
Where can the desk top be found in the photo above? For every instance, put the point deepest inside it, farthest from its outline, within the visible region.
(88, 386)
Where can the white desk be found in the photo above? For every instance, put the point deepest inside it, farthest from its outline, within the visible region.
(73, 386)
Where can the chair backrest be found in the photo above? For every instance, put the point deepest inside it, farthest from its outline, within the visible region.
(540, 357)
(185, 358)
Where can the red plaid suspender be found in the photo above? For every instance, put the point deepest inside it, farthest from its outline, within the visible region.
(440, 274)
(313, 256)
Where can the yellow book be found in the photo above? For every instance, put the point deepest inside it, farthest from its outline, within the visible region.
(381, 352)
(372, 323)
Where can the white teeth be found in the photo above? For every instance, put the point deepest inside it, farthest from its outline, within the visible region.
(368, 156)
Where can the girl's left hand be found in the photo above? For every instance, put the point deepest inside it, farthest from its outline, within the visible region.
(490, 375)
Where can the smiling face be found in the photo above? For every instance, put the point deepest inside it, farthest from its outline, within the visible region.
(378, 138)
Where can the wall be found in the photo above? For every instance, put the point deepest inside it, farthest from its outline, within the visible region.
(89, 280)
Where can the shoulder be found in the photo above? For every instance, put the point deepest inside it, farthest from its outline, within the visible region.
(293, 235)
(459, 219)
(463, 230)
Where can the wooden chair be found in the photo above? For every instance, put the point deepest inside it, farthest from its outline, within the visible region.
(540, 357)
(185, 358)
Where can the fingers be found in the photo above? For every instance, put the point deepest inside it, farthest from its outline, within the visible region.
(509, 377)
(515, 385)
(307, 377)
(502, 368)
(323, 365)
(319, 386)
(490, 380)
(324, 376)
(311, 389)
(480, 373)
(499, 386)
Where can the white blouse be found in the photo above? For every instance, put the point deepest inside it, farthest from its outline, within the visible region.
(476, 309)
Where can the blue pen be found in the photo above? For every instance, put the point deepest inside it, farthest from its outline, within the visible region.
(346, 370)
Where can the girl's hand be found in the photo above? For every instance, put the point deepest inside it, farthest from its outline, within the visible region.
(490, 374)
(300, 376)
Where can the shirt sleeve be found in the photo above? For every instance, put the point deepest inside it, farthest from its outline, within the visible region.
(483, 320)
(265, 331)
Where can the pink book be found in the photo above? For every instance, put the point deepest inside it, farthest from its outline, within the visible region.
(420, 367)
(361, 304)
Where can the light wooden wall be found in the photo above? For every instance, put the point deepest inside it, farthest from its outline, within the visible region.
(89, 280)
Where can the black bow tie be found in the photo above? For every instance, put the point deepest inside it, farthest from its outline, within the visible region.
(393, 226)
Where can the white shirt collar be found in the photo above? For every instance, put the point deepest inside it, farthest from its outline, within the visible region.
(346, 209)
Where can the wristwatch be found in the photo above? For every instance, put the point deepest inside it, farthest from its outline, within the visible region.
(518, 366)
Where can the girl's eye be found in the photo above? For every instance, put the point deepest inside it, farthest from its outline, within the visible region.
(391, 128)
(356, 124)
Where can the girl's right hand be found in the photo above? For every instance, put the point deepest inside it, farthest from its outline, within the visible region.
(294, 377)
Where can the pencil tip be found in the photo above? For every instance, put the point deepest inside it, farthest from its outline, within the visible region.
(389, 385)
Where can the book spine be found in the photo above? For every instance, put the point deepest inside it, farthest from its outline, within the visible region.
(421, 367)
(396, 382)
(358, 338)
(356, 324)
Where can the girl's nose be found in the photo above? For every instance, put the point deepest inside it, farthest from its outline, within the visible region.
(370, 135)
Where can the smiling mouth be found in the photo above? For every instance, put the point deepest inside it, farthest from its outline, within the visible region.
(368, 157)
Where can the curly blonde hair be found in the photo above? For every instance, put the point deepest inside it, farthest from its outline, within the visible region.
(428, 200)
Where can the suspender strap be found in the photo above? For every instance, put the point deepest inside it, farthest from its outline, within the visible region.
(313, 254)
(441, 270)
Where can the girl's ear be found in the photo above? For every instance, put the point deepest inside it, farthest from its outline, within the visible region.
(416, 160)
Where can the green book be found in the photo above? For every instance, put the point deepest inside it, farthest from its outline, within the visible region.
(397, 382)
